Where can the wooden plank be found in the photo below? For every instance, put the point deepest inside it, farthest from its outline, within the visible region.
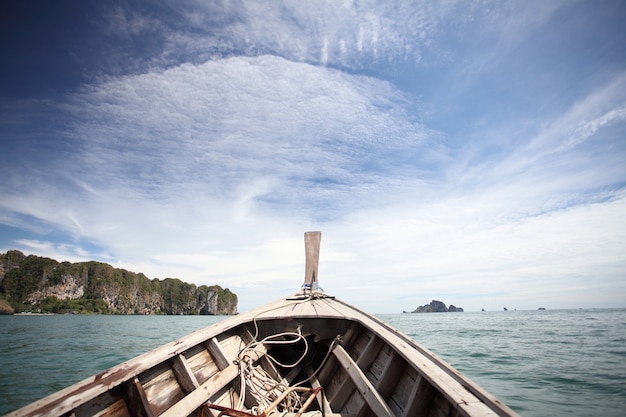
(201, 363)
(400, 399)
(138, 401)
(216, 352)
(338, 383)
(321, 398)
(312, 251)
(419, 399)
(110, 404)
(372, 397)
(184, 374)
(391, 375)
(328, 373)
(355, 403)
(231, 346)
(351, 334)
(226, 397)
(205, 391)
(161, 387)
(377, 369)
(340, 391)
(370, 352)
(202, 394)
(270, 368)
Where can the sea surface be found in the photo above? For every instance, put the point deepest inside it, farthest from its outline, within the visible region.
(540, 363)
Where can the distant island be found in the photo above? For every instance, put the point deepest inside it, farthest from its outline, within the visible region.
(33, 284)
(436, 306)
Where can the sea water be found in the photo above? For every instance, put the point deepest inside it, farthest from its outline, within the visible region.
(540, 363)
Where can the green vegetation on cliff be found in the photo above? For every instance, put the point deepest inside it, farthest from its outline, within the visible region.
(37, 284)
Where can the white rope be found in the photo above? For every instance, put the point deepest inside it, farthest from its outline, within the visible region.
(259, 383)
(262, 386)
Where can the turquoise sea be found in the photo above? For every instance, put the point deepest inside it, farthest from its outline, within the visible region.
(540, 363)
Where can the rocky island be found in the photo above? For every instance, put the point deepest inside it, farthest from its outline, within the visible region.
(437, 307)
(43, 285)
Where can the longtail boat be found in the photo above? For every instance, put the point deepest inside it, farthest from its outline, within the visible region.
(309, 354)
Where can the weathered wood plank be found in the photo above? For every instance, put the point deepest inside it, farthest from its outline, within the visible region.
(399, 399)
(139, 404)
(328, 376)
(351, 334)
(391, 375)
(377, 368)
(161, 387)
(201, 363)
(312, 252)
(337, 382)
(420, 398)
(340, 388)
(322, 400)
(226, 397)
(202, 394)
(218, 355)
(184, 374)
(354, 404)
(367, 390)
(110, 404)
(205, 391)
(365, 359)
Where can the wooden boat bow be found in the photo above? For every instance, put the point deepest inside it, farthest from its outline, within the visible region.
(309, 354)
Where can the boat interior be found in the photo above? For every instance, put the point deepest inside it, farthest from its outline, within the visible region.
(286, 367)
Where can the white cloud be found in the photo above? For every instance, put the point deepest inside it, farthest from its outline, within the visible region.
(352, 35)
(418, 253)
(238, 120)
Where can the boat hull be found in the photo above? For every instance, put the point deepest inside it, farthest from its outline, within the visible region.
(323, 356)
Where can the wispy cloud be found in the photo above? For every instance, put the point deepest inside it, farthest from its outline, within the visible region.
(231, 122)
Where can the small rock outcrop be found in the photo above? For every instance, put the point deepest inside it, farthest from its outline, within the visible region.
(436, 306)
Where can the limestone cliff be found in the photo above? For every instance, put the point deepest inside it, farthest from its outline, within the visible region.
(32, 283)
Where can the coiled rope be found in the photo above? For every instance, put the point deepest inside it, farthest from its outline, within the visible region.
(269, 394)
(260, 385)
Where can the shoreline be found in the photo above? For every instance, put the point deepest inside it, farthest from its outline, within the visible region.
(33, 314)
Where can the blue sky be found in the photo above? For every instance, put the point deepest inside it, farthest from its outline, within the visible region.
(467, 151)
